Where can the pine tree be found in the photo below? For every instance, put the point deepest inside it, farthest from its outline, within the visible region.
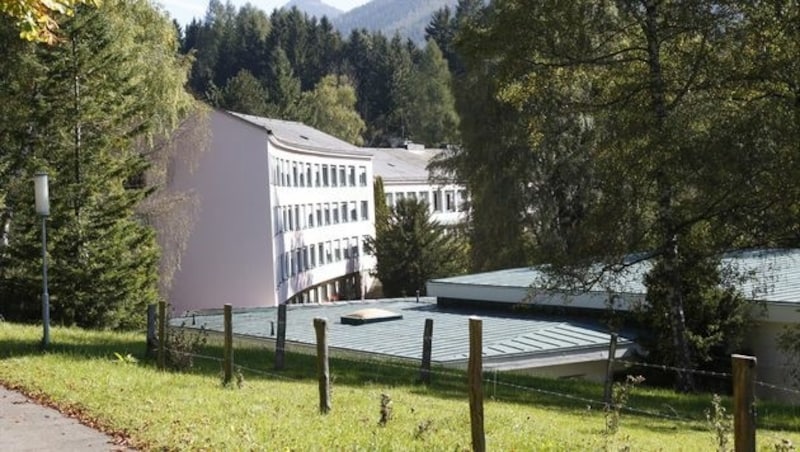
(102, 95)
(412, 248)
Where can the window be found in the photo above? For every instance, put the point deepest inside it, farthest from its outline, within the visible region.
(346, 249)
(353, 211)
(302, 182)
(399, 197)
(450, 201)
(285, 219)
(362, 176)
(313, 252)
(342, 176)
(319, 214)
(411, 195)
(352, 171)
(291, 218)
(337, 250)
(317, 176)
(462, 200)
(327, 214)
(277, 218)
(310, 215)
(390, 200)
(324, 175)
(328, 253)
(282, 173)
(297, 218)
(333, 175)
(354, 247)
(299, 253)
(293, 265)
(437, 201)
(309, 181)
(306, 259)
(343, 209)
(335, 215)
(294, 174)
(364, 210)
(321, 251)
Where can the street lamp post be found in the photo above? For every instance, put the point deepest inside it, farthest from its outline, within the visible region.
(43, 210)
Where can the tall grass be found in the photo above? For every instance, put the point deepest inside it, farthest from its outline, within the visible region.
(86, 372)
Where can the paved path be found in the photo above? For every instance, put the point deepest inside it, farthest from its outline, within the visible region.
(28, 426)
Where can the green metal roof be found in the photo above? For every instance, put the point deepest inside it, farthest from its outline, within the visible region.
(771, 275)
(504, 334)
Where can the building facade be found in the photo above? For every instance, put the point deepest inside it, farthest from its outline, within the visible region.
(282, 211)
(405, 175)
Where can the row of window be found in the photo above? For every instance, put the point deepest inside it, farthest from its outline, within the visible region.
(305, 216)
(305, 258)
(443, 200)
(290, 173)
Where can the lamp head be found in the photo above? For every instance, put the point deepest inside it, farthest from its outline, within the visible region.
(42, 194)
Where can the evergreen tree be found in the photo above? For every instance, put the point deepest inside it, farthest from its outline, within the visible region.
(102, 95)
(282, 86)
(242, 94)
(431, 116)
(412, 249)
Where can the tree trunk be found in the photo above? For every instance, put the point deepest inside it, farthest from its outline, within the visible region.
(666, 214)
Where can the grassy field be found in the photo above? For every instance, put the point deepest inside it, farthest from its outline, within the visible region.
(82, 373)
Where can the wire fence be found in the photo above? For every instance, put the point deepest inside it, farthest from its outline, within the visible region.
(510, 386)
(493, 379)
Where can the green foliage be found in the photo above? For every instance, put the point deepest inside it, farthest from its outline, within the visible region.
(242, 94)
(330, 107)
(181, 347)
(413, 249)
(720, 423)
(620, 395)
(430, 108)
(716, 315)
(382, 211)
(606, 118)
(103, 95)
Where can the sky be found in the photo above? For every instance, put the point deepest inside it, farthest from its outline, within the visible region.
(185, 10)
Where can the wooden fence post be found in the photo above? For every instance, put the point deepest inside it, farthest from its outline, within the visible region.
(323, 371)
(162, 334)
(280, 343)
(612, 351)
(227, 355)
(475, 377)
(744, 410)
(151, 341)
(427, 342)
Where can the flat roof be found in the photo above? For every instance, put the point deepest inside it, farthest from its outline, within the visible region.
(769, 275)
(510, 340)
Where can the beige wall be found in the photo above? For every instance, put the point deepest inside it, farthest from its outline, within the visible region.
(771, 366)
(228, 255)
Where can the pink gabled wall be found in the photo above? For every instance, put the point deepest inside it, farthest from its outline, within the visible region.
(228, 258)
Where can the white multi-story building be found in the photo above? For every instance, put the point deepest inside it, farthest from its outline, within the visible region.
(282, 213)
(405, 175)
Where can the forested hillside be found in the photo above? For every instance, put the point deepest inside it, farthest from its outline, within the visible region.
(315, 8)
(290, 66)
(405, 17)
